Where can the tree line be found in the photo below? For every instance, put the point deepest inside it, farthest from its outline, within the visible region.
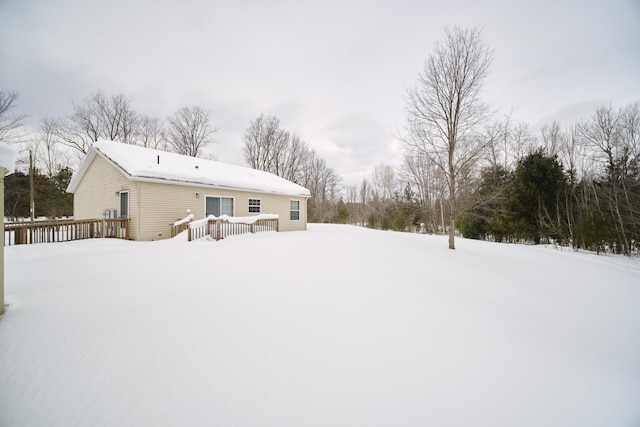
(465, 172)
(577, 186)
(462, 170)
(269, 147)
(188, 131)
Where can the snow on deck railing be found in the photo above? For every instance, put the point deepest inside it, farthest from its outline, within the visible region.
(220, 227)
(184, 220)
(180, 225)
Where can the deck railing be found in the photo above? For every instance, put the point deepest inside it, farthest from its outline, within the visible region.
(181, 225)
(22, 233)
(219, 228)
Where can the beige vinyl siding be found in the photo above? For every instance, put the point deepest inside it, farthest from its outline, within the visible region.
(162, 204)
(99, 190)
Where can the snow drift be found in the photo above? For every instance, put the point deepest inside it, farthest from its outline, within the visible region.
(336, 326)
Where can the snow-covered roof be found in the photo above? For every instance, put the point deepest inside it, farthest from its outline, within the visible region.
(145, 164)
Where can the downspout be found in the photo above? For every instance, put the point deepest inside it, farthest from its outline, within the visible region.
(306, 212)
(138, 196)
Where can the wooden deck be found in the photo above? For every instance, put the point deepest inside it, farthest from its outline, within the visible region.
(219, 228)
(23, 233)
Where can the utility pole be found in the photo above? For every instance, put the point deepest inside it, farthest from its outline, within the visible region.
(32, 204)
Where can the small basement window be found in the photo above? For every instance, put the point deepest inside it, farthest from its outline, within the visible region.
(254, 205)
(294, 210)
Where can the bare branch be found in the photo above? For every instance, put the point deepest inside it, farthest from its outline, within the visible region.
(190, 130)
(444, 108)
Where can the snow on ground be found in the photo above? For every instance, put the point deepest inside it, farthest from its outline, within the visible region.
(335, 326)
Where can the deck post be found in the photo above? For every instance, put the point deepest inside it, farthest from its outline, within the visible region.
(8, 157)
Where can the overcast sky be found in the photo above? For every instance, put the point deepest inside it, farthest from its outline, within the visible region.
(333, 72)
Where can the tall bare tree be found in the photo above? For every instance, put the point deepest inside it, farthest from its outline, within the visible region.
(552, 138)
(291, 160)
(270, 148)
(264, 141)
(383, 182)
(323, 183)
(444, 108)
(9, 122)
(364, 194)
(151, 133)
(48, 157)
(118, 118)
(190, 130)
(604, 134)
(429, 183)
(99, 116)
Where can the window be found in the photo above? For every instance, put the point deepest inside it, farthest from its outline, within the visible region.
(294, 210)
(254, 205)
(217, 206)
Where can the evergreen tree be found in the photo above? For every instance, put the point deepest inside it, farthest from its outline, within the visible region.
(538, 184)
(50, 196)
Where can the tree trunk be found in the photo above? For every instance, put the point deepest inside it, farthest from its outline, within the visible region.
(452, 230)
(452, 193)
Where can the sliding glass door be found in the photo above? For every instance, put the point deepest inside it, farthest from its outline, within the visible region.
(217, 206)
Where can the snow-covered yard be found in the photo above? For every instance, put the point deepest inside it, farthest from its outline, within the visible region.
(335, 326)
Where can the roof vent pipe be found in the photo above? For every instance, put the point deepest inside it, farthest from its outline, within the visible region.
(158, 158)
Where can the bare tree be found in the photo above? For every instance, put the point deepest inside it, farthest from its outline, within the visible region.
(364, 193)
(151, 133)
(429, 183)
(506, 142)
(602, 133)
(522, 143)
(263, 142)
(383, 182)
(99, 116)
(190, 130)
(323, 183)
(496, 136)
(270, 148)
(552, 138)
(117, 118)
(444, 108)
(292, 159)
(9, 122)
(48, 157)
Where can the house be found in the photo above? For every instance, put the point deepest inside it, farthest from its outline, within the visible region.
(155, 188)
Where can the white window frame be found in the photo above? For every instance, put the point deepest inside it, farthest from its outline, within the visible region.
(259, 206)
(233, 203)
(291, 210)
